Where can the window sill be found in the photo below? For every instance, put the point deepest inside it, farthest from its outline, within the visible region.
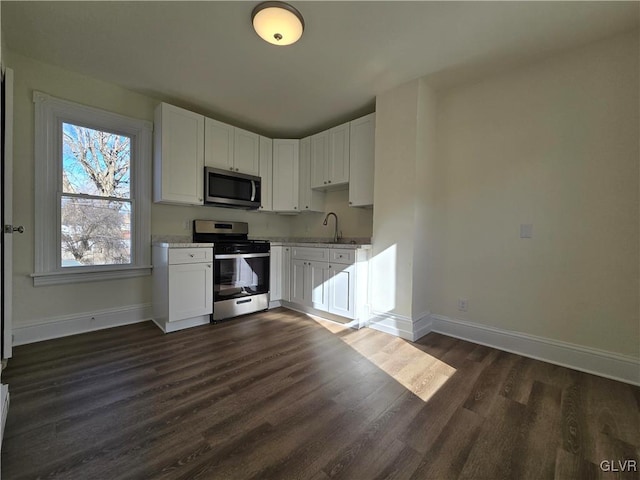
(93, 275)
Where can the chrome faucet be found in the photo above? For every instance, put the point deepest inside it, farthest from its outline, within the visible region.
(335, 233)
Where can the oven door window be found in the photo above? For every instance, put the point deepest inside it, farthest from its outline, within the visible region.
(240, 277)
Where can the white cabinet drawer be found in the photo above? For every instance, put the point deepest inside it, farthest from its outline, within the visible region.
(345, 256)
(310, 253)
(190, 255)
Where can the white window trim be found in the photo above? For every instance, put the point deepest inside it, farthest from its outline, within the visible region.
(49, 113)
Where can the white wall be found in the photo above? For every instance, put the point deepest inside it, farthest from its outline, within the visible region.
(395, 186)
(425, 237)
(403, 240)
(40, 305)
(555, 145)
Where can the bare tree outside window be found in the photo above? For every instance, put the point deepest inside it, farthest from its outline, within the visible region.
(96, 197)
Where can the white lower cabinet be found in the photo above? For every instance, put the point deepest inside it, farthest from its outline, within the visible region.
(319, 282)
(182, 287)
(190, 290)
(326, 279)
(275, 273)
(286, 273)
(341, 291)
(300, 290)
(280, 267)
(309, 285)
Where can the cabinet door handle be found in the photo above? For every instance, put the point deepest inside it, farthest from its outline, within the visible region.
(295, 208)
(191, 255)
(231, 168)
(329, 181)
(325, 183)
(209, 265)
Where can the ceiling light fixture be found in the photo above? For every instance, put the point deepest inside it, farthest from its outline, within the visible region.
(277, 23)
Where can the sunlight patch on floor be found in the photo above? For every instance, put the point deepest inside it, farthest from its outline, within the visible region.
(416, 370)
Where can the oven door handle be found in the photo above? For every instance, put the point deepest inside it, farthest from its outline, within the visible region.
(241, 255)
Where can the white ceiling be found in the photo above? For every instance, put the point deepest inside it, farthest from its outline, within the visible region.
(205, 55)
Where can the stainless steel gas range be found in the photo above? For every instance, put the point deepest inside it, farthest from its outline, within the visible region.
(241, 268)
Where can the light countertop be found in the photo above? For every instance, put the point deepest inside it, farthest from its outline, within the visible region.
(320, 244)
(182, 245)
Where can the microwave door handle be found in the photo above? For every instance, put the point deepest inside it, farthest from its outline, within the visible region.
(253, 190)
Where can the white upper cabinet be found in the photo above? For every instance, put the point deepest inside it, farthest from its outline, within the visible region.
(286, 175)
(218, 144)
(330, 158)
(178, 156)
(319, 159)
(266, 174)
(230, 148)
(310, 200)
(294, 172)
(338, 167)
(246, 152)
(361, 160)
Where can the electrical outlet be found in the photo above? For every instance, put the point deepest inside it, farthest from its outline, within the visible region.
(463, 304)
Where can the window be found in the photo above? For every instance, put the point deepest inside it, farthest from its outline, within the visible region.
(92, 193)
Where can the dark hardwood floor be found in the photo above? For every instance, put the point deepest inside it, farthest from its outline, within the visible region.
(280, 395)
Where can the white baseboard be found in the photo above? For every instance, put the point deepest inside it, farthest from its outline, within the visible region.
(586, 359)
(401, 326)
(275, 303)
(422, 326)
(168, 327)
(66, 325)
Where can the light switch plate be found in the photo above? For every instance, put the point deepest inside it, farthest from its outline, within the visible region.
(526, 230)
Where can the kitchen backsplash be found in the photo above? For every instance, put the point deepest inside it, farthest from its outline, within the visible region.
(177, 220)
(352, 222)
(169, 221)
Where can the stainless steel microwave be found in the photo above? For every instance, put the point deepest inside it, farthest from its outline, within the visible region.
(224, 188)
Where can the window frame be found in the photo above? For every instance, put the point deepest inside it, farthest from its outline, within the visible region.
(50, 114)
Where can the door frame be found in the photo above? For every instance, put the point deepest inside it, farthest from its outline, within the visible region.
(6, 195)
